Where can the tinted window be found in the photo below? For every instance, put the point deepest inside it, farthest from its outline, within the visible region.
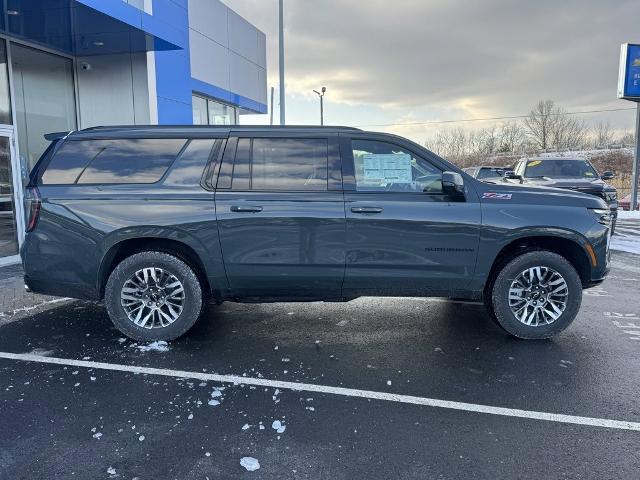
(289, 164)
(188, 168)
(130, 160)
(490, 173)
(68, 162)
(382, 166)
(241, 165)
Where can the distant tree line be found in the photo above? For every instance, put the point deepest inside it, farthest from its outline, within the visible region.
(547, 128)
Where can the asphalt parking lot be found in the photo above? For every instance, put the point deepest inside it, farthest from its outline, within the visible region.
(369, 383)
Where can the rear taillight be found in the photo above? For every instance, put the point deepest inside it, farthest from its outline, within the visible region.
(35, 202)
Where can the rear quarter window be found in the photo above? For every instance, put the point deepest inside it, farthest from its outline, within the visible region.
(117, 161)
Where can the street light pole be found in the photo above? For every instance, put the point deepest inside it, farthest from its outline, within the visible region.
(281, 60)
(321, 95)
(635, 171)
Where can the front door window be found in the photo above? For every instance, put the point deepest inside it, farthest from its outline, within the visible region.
(384, 167)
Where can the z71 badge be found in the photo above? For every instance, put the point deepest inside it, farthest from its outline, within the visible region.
(497, 196)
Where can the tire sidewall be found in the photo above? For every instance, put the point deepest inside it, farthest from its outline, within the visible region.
(500, 294)
(126, 269)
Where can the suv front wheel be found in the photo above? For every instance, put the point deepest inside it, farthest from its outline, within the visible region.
(153, 296)
(536, 295)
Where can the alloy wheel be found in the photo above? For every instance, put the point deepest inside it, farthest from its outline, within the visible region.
(152, 298)
(538, 296)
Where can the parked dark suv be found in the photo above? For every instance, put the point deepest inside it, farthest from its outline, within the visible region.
(567, 173)
(157, 220)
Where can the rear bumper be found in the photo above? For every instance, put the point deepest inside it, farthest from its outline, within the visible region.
(56, 289)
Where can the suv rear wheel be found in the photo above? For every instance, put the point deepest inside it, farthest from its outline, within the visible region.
(536, 295)
(153, 296)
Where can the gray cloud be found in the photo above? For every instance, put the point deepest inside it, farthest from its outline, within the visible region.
(490, 56)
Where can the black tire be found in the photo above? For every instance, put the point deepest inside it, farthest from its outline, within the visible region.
(506, 319)
(193, 297)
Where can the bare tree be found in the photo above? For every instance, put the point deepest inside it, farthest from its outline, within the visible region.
(512, 138)
(550, 126)
(602, 134)
(539, 123)
(567, 131)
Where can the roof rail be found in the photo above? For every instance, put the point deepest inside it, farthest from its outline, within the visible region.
(220, 127)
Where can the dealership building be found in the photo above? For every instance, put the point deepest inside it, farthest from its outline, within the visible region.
(72, 64)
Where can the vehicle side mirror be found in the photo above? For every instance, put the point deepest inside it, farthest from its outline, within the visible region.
(512, 176)
(452, 184)
(608, 175)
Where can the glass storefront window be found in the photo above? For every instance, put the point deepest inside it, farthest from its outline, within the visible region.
(200, 116)
(220, 114)
(44, 99)
(211, 112)
(5, 99)
(8, 227)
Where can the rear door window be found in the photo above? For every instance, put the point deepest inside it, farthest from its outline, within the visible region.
(294, 164)
(188, 169)
(118, 161)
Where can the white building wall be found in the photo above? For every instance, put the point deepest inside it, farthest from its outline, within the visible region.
(113, 90)
(226, 50)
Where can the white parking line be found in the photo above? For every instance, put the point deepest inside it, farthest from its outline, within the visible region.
(347, 392)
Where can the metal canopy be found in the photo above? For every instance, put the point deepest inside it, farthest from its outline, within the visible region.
(87, 27)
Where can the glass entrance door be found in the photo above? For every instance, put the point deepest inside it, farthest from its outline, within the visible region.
(9, 213)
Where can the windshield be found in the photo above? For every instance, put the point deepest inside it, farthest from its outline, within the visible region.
(490, 173)
(560, 169)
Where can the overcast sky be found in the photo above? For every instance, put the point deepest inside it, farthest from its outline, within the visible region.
(404, 61)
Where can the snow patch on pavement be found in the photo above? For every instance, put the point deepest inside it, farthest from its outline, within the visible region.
(157, 346)
(250, 464)
(278, 426)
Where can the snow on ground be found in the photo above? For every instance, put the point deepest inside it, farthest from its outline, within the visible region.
(627, 236)
(278, 426)
(626, 244)
(250, 464)
(629, 214)
(157, 346)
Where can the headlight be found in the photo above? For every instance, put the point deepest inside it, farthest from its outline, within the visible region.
(610, 196)
(603, 215)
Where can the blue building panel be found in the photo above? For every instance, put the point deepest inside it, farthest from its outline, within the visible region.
(245, 103)
(171, 112)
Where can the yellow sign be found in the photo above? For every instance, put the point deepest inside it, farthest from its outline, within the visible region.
(534, 163)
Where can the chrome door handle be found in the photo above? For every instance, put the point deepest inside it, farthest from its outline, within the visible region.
(246, 209)
(366, 209)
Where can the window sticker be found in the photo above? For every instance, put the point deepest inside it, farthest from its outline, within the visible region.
(387, 168)
(497, 196)
(589, 174)
(534, 163)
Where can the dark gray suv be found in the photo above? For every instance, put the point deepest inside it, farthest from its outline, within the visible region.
(158, 220)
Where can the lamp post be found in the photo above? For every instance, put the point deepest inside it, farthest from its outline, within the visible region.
(321, 95)
(281, 60)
